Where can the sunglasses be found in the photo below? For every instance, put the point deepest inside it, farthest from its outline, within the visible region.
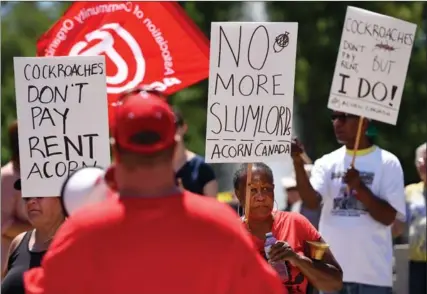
(342, 117)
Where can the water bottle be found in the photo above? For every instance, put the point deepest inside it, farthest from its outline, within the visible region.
(280, 267)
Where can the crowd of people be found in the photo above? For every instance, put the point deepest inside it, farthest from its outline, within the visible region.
(160, 235)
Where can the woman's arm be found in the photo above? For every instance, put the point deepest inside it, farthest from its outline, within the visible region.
(13, 245)
(325, 275)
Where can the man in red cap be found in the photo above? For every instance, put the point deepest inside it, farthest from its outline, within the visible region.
(155, 238)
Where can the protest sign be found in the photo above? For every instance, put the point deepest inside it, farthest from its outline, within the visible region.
(251, 90)
(372, 64)
(62, 119)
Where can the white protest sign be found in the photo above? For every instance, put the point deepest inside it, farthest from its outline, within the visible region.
(251, 91)
(62, 119)
(371, 67)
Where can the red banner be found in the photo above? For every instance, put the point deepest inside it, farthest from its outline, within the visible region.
(149, 43)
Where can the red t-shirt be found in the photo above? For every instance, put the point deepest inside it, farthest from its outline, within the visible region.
(293, 228)
(182, 244)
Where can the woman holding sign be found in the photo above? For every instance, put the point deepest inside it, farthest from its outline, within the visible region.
(27, 249)
(294, 233)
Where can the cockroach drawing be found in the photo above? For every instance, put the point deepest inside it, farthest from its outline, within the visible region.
(384, 47)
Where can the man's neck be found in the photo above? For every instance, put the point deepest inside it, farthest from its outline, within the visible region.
(152, 183)
(363, 144)
(156, 192)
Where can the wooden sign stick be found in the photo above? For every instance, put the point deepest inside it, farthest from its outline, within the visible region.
(356, 145)
(248, 192)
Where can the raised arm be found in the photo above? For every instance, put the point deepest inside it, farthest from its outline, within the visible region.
(309, 196)
(310, 190)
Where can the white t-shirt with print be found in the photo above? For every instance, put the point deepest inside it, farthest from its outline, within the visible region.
(361, 245)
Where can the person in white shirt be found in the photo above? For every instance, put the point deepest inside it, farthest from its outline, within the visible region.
(356, 224)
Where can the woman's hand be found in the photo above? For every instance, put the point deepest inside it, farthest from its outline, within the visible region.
(281, 251)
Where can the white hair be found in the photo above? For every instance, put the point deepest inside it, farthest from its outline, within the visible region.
(419, 151)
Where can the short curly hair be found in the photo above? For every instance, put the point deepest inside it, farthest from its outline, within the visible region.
(242, 170)
(419, 152)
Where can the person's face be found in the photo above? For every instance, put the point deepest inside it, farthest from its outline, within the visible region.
(261, 194)
(345, 126)
(43, 210)
(421, 166)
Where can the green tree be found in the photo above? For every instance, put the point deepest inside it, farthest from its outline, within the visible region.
(21, 26)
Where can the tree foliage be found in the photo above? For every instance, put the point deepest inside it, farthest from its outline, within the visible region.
(320, 27)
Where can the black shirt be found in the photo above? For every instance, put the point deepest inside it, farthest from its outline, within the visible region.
(195, 174)
(21, 260)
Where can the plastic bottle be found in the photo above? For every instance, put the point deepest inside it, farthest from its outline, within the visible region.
(280, 267)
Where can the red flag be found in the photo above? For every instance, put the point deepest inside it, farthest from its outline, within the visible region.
(149, 43)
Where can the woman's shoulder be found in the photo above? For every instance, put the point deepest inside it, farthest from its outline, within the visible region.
(8, 173)
(17, 241)
(296, 225)
(194, 158)
(295, 218)
(198, 162)
(287, 215)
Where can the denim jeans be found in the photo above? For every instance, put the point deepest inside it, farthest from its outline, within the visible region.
(355, 288)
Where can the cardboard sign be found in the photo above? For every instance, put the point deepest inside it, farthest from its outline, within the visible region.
(251, 91)
(372, 64)
(62, 119)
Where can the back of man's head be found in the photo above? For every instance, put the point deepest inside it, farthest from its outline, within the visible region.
(144, 130)
(14, 143)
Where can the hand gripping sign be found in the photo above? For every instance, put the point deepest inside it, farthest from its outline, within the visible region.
(150, 43)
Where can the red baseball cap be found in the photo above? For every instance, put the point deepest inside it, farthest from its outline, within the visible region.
(144, 123)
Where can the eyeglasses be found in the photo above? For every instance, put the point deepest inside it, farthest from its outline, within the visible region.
(342, 117)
